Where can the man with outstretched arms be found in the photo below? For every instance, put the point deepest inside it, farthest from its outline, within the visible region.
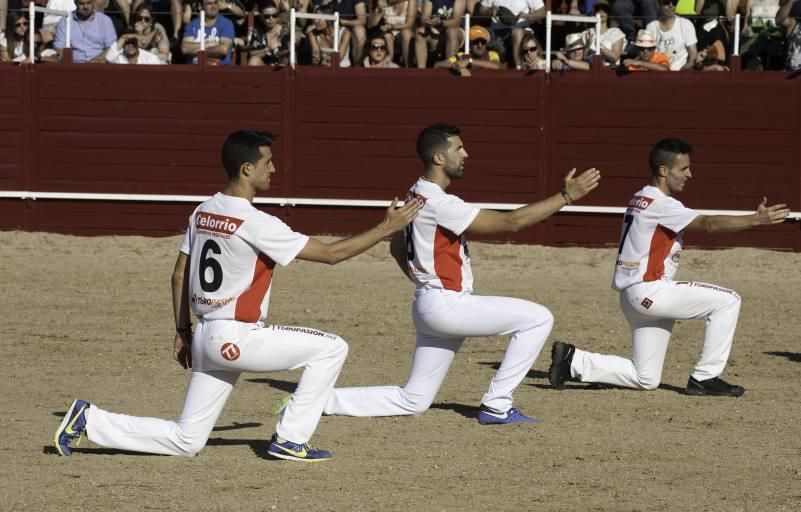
(647, 261)
(224, 273)
(434, 255)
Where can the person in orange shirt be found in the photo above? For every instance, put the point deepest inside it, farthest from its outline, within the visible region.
(648, 59)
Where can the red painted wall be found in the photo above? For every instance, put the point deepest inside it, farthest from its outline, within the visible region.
(350, 134)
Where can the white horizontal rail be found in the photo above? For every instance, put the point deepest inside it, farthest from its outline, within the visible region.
(300, 201)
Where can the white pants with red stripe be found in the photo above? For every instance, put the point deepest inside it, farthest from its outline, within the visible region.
(443, 320)
(650, 309)
(220, 351)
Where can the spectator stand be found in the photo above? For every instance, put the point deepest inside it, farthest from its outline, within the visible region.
(550, 18)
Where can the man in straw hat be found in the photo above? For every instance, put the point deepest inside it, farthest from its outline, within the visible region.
(575, 55)
(648, 59)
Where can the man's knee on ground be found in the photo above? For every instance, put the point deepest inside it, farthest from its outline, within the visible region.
(648, 381)
(416, 403)
(190, 445)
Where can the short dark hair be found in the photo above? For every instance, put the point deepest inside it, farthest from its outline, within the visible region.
(434, 139)
(665, 152)
(242, 147)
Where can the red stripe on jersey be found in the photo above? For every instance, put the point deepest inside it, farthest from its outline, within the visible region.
(448, 259)
(248, 304)
(661, 242)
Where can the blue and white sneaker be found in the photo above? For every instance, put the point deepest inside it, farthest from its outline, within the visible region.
(297, 452)
(72, 427)
(487, 416)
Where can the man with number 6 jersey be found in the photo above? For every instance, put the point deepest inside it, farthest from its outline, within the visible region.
(434, 255)
(647, 261)
(224, 272)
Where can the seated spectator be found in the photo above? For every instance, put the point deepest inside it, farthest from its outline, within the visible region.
(91, 34)
(647, 59)
(353, 17)
(624, 11)
(480, 56)
(269, 40)
(712, 58)
(48, 30)
(175, 8)
(575, 55)
(531, 58)
(440, 30)
(789, 18)
(321, 40)
(14, 41)
(396, 19)
(219, 36)
(511, 19)
(675, 37)
(152, 36)
(378, 53)
(127, 51)
(612, 40)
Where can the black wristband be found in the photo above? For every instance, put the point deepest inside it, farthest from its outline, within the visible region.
(566, 195)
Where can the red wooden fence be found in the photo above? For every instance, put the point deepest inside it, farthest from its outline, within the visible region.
(349, 134)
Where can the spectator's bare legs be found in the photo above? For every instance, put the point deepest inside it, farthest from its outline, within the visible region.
(344, 43)
(359, 39)
(125, 9)
(3, 13)
(517, 38)
(454, 42)
(176, 13)
(421, 48)
(406, 42)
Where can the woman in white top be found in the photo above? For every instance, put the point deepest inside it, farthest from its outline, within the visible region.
(395, 18)
(13, 43)
(675, 37)
(612, 39)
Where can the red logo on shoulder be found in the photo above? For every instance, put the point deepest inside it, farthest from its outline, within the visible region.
(230, 352)
(640, 202)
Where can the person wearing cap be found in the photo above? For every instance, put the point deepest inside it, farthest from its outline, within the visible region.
(511, 19)
(675, 37)
(126, 51)
(440, 27)
(648, 59)
(574, 56)
(480, 56)
(612, 39)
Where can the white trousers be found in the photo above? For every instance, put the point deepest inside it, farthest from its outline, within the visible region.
(220, 351)
(650, 309)
(443, 319)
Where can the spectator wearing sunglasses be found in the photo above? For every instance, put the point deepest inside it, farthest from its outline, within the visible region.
(675, 37)
(647, 59)
(612, 40)
(531, 58)
(480, 56)
(152, 36)
(511, 20)
(378, 53)
(127, 51)
(396, 19)
(14, 42)
(269, 40)
(575, 56)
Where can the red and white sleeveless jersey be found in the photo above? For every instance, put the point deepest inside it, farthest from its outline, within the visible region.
(436, 250)
(650, 241)
(233, 249)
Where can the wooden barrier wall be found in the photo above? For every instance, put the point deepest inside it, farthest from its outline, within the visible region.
(349, 134)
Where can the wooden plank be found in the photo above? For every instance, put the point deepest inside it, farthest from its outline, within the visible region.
(157, 110)
(163, 125)
(410, 115)
(114, 91)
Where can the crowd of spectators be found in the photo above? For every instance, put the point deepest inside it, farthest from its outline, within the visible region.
(634, 35)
